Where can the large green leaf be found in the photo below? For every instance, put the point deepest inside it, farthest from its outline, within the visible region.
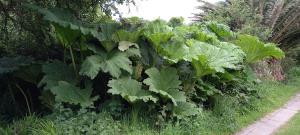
(124, 35)
(69, 93)
(166, 83)
(105, 36)
(206, 36)
(107, 31)
(115, 62)
(197, 32)
(54, 72)
(91, 66)
(174, 50)
(235, 50)
(157, 26)
(208, 59)
(109, 62)
(131, 90)
(66, 35)
(257, 50)
(186, 32)
(64, 18)
(68, 29)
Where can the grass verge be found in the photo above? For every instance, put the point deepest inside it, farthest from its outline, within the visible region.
(273, 95)
(292, 127)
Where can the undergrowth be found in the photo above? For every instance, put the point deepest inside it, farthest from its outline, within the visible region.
(226, 117)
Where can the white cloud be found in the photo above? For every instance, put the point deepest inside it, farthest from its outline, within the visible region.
(164, 9)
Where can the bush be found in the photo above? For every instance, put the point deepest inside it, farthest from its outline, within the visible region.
(171, 71)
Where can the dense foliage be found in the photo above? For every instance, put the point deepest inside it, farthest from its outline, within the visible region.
(166, 70)
(272, 20)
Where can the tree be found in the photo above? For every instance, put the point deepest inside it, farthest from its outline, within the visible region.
(273, 20)
(176, 21)
(24, 32)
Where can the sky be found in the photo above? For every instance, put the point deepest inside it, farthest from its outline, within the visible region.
(163, 9)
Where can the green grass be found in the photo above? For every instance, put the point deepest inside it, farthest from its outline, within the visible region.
(30, 125)
(292, 127)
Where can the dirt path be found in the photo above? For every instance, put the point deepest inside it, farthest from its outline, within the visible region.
(273, 121)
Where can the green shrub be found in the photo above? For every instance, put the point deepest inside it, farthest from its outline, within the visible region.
(170, 70)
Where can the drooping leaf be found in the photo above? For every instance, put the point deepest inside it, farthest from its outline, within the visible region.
(54, 72)
(166, 83)
(184, 109)
(69, 93)
(257, 50)
(131, 90)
